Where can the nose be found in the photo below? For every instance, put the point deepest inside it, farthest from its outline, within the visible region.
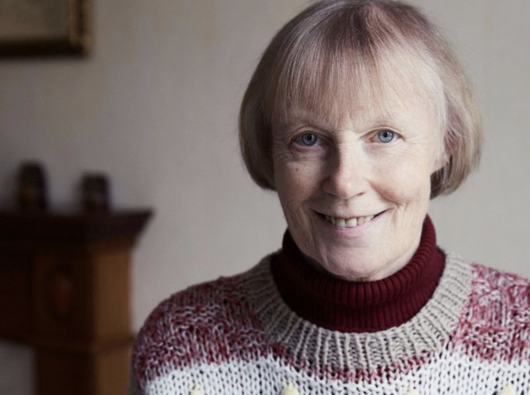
(347, 172)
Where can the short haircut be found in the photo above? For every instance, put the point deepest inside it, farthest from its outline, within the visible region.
(335, 44)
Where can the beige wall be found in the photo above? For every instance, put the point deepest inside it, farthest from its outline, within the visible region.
(155, 107)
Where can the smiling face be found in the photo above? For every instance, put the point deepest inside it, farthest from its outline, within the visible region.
(355, 191)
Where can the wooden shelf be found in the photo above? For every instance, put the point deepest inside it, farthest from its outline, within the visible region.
(65, 290)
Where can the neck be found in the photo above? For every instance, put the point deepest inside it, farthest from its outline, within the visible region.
(359, 306)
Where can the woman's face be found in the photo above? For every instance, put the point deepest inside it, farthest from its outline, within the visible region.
(355, 192)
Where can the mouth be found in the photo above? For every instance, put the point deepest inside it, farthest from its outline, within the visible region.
(349, 222)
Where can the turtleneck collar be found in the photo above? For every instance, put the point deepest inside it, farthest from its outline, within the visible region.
(358, 306)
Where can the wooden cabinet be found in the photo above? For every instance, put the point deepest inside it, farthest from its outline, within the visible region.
(65, 291)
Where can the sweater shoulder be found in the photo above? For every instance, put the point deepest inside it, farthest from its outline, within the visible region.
(496, 322)
(500, 291)
(206, 323)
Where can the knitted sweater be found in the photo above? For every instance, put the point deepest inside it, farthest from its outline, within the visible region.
(237, 336)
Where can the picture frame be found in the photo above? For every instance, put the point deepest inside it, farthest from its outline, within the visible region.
(44, 28)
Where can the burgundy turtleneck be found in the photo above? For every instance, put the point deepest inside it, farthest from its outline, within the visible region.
(358, 306)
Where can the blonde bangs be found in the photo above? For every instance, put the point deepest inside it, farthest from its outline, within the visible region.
(334, 80)
(319, 82)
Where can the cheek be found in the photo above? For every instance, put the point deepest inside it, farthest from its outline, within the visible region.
(286, 175)
(293, 185)
(295, 177)
(405, 183)
(289, 185)
(296, 184)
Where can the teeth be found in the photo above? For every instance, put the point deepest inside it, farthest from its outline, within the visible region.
(352, 222)
(348, 223)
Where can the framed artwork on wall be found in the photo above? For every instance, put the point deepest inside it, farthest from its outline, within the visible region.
(43, 27)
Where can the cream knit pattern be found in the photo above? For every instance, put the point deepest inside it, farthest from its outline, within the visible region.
(236, 336)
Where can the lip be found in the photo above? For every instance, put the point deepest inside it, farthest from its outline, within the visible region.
(352, 229)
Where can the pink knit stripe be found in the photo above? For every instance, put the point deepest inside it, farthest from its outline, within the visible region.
(496, 325)
(209, 323)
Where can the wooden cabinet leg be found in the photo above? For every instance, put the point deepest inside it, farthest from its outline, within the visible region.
(81, 373)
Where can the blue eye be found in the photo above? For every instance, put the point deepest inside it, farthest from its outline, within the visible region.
(309, 139)
(386, 136)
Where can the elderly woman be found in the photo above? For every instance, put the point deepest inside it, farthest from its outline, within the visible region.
(357, 115)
